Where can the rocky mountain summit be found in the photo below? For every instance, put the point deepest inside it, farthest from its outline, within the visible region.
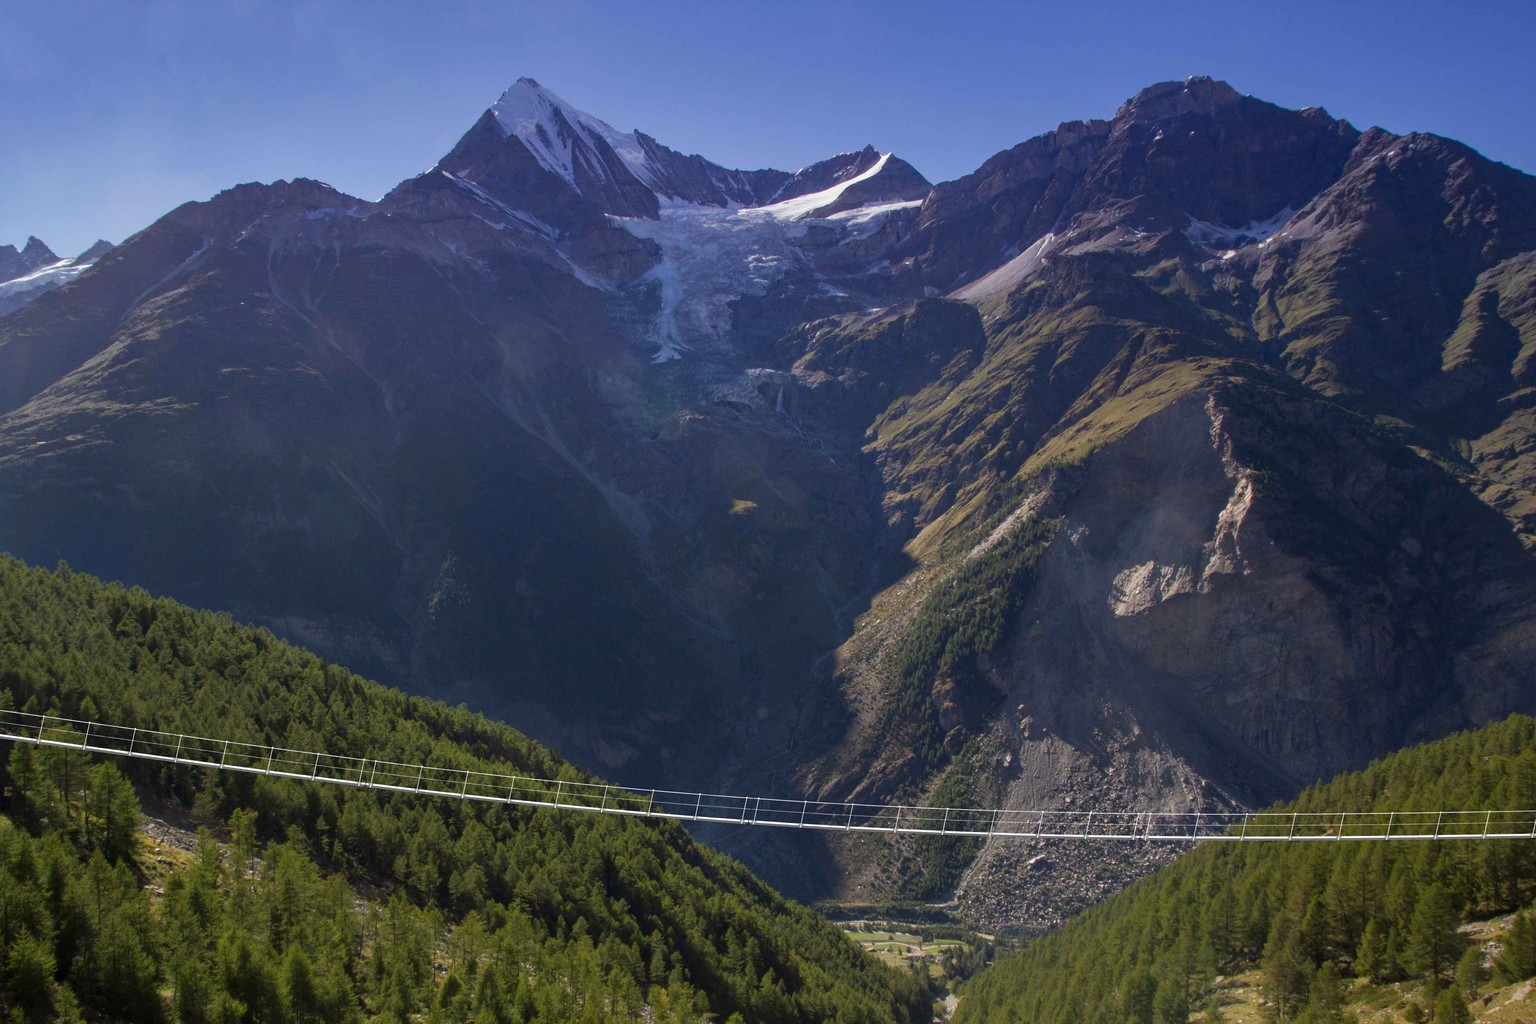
(1171, 460)
(14, 263)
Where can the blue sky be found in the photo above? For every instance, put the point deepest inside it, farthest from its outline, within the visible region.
(114, 111)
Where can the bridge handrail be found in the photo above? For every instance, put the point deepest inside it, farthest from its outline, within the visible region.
(783, 812)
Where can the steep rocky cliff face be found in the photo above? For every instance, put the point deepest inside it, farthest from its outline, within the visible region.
(1276, 544)
(1232, 609)
(1168, 461)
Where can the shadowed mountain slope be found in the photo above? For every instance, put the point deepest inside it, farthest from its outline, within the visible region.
(1173, 460)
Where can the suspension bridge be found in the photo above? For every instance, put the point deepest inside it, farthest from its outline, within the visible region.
(232, 755)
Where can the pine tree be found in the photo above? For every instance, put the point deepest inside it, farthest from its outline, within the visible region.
(119, 969)
(1287, 971)
(111, 812)
(1136, 1001)
(1470, 972)
(1171, 1005)
(1433, 944)
(1371, 956)
(1518, 961)
(1325, 998)
(490, 1003)
(1451, 1007)
(28, 974)
(301, 1001)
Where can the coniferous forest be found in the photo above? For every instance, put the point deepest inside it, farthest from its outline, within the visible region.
(1332, 929)
(320, 903)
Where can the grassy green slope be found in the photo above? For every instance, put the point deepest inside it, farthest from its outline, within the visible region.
(495, 913)
(1308, 918)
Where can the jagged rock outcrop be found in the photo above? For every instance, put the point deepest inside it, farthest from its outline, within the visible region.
(34, 254)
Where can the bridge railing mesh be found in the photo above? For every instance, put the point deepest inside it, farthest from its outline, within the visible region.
(511, 788)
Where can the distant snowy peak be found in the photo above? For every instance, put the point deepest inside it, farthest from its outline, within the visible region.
(16, 262)
(609, 166)
(612, 167)
(828, 173)
(849, 181)
(29, 272)
(564, 139)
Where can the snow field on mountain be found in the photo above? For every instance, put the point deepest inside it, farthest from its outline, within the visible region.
(711, 256)
(1005, 277)
(49, 276)
(1219, 236)
(803, 206)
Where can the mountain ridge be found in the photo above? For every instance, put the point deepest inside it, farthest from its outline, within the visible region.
(35, 269)
(679, 489)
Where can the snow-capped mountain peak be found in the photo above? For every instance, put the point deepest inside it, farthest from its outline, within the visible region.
(17, 262)
(701, 236)
(532, 149)
(824, 199)
(36, 269)
(562, 138)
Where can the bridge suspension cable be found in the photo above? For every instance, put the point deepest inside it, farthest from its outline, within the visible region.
(841, 816)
